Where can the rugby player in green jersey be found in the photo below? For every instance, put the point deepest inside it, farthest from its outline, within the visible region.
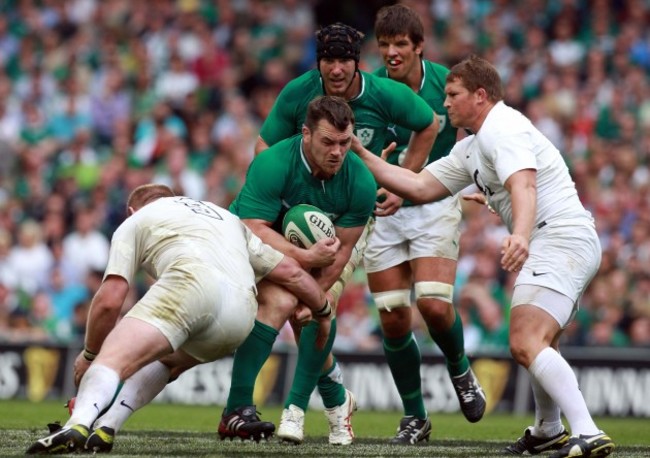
(378, 103)
(417, 247)
(313, 168)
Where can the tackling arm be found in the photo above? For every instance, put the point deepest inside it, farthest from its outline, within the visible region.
(321, 254)
(289, 274)
(417, 154)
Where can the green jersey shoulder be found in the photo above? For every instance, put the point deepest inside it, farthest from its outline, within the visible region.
(280, 177)
(290, 108)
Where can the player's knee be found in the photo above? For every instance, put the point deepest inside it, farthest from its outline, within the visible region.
(520, 355)
(396, 323)
(435, 290)
(522, 349)
(434, 300)
(280, 309)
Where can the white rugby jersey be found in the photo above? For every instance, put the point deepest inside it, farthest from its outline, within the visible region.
(506, 143)
(179, 230)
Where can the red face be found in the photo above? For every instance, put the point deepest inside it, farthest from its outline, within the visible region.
(460, 104)
(326, 148)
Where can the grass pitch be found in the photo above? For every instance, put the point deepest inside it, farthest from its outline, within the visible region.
(178, 430)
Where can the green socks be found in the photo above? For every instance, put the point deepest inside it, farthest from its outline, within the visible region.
(330, 386)
(309, 365)
(249, 359)
(452, 345)
(403, 357)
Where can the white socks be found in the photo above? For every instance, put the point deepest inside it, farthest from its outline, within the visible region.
(557, 379)
(96, 391)
(137, 391)
(548, 422)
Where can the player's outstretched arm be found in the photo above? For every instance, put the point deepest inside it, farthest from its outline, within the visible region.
(419, 188)
(420, 145)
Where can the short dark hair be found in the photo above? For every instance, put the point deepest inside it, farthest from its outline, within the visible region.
(395, 20)
(334, 110)
(338, 41)
(146, 193)
(475, 73)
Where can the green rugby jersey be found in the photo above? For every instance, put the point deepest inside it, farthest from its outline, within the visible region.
(280, 177)
(432, 90)
(382, 102)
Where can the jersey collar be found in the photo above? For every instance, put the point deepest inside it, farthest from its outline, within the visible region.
(424, 74)
(363, 87)
(303, 157)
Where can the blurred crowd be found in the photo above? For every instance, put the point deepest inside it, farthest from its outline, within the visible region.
(97, 97)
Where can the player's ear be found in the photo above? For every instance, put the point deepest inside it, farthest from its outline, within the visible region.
(419, 49)
(130, 211)
(481, 93)
(306, 133)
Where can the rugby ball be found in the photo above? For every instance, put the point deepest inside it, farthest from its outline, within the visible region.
(303, 225)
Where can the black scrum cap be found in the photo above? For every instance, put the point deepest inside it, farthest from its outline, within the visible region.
(338, 41)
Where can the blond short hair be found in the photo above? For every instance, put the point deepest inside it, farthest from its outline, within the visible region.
(147, 193)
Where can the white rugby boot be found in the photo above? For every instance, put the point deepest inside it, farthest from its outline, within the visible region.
(339, 419)
(292, 425)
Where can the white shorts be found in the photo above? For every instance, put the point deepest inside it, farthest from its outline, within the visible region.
(420, 231)
(559, 306)
(563, 258)
(198, 310)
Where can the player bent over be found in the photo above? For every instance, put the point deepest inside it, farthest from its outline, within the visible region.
(201, 308)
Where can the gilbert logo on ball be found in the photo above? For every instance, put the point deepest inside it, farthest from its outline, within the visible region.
(303, 225)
